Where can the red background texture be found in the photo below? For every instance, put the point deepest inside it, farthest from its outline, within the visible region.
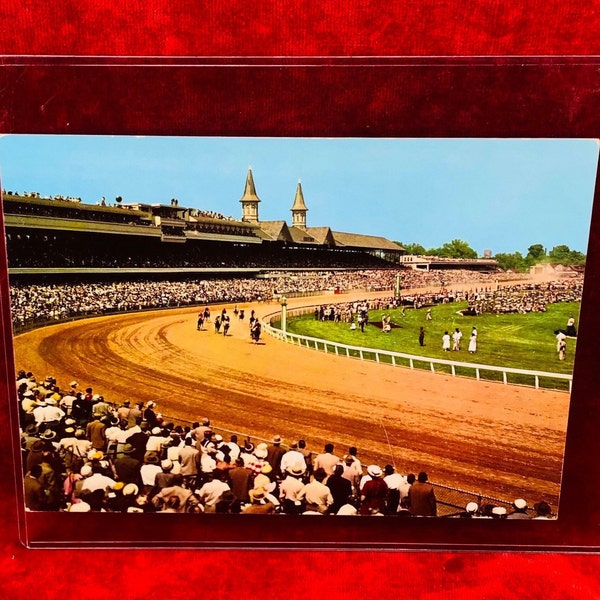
(432, 68)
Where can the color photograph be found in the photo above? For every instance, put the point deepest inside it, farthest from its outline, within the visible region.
(295, 326)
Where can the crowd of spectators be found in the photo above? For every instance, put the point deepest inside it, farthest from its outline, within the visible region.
(525, 298)
(38, 195)
(39, 303)
(77, 212)
(82, 453)
(44, 249)
(211, 214)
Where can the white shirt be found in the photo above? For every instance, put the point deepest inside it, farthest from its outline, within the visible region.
(148, 473)
(211, 492)
(97, 481)
(290, 459)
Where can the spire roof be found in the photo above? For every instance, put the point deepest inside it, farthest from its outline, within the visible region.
(299, 199)
(249, 189)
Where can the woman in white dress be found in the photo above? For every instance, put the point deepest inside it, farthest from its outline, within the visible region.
(446, 341)
(473, 343)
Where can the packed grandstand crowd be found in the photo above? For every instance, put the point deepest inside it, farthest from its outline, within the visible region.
(525, 298)
(40, 303)
(43, 250)
(81, 453)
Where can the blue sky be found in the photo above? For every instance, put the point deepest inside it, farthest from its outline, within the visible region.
(504, 195)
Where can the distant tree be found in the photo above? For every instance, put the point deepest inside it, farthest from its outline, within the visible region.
(413, 248)
(536, 253)
(457, 249)
(119, 199)
(563, 255)
(511, 261)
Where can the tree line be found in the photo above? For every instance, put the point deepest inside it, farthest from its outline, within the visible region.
(536, 254)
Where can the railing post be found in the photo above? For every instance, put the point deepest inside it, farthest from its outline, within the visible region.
(453, 370)
(504, 378)
(393, 361)
(431, 367)
(360, 353)
(477, 374)
(376, 357)
(537, 382)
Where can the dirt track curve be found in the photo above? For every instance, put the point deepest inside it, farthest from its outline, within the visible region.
(504, 441)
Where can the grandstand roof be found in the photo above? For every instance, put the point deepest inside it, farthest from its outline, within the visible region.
(357, 240)
(275, 231)
(302, 236)
(323, 235)
(249, 189)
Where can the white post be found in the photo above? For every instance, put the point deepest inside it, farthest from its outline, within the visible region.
(283, 314)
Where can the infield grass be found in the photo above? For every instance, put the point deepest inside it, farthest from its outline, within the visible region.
(513, 340)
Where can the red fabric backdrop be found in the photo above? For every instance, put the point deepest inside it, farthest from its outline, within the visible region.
(269, 28)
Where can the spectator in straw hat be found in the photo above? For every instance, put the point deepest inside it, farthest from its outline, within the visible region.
(351, 474)
(166, 477)
(470, 512)
(247, 454)
(291, 457)
(275, 453)
(499, 512)
(260, 458)
(149, 470)
(374, 492)
(258, 503)
(127, 466)
(519, 510)
(97, 480)
(290, 488)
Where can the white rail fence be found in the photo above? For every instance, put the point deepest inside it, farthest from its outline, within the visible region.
(454, 368)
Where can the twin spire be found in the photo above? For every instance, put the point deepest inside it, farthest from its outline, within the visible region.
(250, 202)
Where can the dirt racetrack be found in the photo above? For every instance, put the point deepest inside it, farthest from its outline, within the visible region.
(502, 441)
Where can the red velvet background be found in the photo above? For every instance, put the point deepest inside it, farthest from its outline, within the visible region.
(272, 29)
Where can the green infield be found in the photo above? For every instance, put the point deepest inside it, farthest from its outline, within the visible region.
(521, 341)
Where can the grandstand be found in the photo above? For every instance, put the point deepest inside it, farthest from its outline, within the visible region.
(58, 233)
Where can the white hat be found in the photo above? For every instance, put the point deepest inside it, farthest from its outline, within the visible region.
(520, 504)
(130, 490)
(347, 510)
(374, 471)
(86, 470)
(261, 452)
(499, 511)
(472, 507)
(156, 430)
(80, 507)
